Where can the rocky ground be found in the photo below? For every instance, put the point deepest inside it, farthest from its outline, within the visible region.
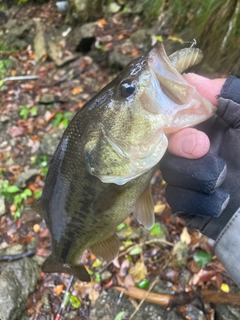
(71, 64)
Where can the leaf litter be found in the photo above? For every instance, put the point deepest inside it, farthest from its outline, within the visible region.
(32, 108)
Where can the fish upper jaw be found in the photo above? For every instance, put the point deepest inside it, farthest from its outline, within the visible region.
(170, 95)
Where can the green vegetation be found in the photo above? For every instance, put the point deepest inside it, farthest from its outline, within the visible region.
(14, 195)
(25, 112)
(4, 66)
(202, 258)
(63, 119)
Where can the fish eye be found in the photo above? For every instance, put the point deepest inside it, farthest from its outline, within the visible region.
(128, 87)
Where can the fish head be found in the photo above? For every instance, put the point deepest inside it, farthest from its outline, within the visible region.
(149, 100)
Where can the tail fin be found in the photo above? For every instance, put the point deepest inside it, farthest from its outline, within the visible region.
(52, 265)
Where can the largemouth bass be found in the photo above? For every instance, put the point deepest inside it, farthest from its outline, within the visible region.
(103, 165)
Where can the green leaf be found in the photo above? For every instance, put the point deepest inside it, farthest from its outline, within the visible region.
(57, 120)
(156, 230)
(33, 111)
(121, 226)
(143, 284)
(17, 214)
(64, 122)
(98, 278)
(12, 189)
(28, 192)
(135, 251)
(37, 194)
(67, 115)
(120, 315)
(75, 302)
(202, 258)
(90, 272)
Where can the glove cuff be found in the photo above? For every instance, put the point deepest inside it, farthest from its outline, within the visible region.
(227, 247)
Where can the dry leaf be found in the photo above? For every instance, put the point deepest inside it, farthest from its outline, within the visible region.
(138, 272)
(58, 289)
(185, 236)
(159, 207)
(101, 23)
(36, 228)
(77, 90)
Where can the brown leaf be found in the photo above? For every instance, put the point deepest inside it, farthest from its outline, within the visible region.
(58, 289)
(16, 131)
(138, 272)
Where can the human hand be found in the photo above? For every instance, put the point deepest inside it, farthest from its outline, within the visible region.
(193, 190)
(191, 143)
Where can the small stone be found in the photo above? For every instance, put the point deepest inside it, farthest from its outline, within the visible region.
(23, 178)
(47, 98)
(2, 205)
(18, 279)
(4, 118)
(106, 275)
(117, 59)
(50, 141)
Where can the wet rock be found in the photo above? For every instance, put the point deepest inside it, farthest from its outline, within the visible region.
(47, 98)
(24, 177)
(40, 46)
(18, 36)
(142, 39)
(18, 280)
(50, 141)
(194, 313)
(227, 312)
(109, 305)
(118, 60)
(2, 206)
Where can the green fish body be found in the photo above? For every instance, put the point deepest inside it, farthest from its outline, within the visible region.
(103, 165)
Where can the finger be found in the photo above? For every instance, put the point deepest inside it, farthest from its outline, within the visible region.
(210, 89)
(189, 143)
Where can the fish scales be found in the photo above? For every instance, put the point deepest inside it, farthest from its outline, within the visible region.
(102, 168)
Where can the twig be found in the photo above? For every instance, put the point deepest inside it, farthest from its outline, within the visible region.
(65, 299)
(182, 298)
(21, 78)
(144, 298)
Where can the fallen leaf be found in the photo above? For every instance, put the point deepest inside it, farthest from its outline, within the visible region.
(58, 289)
(225, 287)
(173, 38)
(16, 131)
(159, 207)
(36, 228)
(185, 236)
(77, 90)
(101, 23)
(138, 272)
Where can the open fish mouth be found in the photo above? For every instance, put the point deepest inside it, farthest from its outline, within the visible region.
(171, 95)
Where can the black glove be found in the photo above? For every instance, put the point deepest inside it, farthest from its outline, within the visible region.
(206, 192)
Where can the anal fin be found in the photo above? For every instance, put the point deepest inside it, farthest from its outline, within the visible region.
(52, 265)
(144, 209)
(106, 249)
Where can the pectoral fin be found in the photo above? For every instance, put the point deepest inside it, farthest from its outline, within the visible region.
(52, 265)
(106, 249)
(144, 209)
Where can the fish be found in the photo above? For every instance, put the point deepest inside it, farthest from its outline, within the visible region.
(102, 168)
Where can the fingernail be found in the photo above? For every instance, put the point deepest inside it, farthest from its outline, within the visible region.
(195, 144)
(188, 144)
